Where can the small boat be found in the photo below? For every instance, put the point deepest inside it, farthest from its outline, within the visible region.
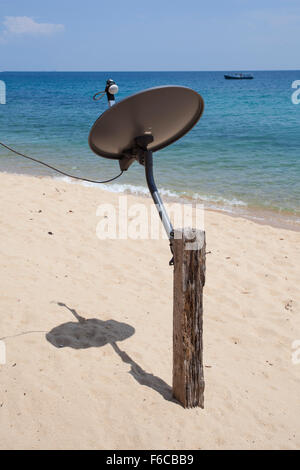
(238, 76)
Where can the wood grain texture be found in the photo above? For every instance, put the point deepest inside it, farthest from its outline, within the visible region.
(189, 279)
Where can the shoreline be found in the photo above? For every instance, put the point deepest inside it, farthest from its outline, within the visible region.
(258, 215)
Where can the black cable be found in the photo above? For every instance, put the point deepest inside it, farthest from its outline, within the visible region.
(57, 170)
(96, 97)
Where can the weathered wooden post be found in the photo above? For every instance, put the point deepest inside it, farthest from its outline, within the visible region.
(189, 278)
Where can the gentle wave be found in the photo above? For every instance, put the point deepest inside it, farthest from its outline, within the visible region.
(118, 188)
(144, 191)
(221, 200)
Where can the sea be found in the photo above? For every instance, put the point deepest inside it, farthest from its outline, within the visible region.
(242, 158)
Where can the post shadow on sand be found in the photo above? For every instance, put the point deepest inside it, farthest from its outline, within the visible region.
(93, 333)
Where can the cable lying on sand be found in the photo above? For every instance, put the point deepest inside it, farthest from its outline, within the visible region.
(56, 169)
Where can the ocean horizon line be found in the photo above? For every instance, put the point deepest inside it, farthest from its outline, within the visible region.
(152, 71)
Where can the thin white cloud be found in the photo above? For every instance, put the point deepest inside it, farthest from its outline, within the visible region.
(24, 25)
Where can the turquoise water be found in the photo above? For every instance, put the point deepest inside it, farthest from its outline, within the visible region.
(243, 154)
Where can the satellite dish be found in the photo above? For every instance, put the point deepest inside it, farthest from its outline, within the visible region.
(167, 113)
(141, 124)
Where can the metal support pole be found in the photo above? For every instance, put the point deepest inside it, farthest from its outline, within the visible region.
(156, 197)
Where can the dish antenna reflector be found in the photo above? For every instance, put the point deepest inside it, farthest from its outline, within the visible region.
(143, 123)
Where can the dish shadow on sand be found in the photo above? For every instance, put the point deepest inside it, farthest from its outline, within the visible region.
(94, 333)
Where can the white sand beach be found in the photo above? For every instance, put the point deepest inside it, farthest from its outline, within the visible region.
(105, 382)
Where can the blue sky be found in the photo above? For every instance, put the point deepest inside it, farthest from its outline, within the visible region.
(149, 35)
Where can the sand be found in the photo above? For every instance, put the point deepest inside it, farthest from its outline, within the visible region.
(88, 330)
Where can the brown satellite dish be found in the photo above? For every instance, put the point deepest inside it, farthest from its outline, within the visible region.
(167, 113)
(141, 124)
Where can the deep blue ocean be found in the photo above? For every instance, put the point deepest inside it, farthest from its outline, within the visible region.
(243, 155)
